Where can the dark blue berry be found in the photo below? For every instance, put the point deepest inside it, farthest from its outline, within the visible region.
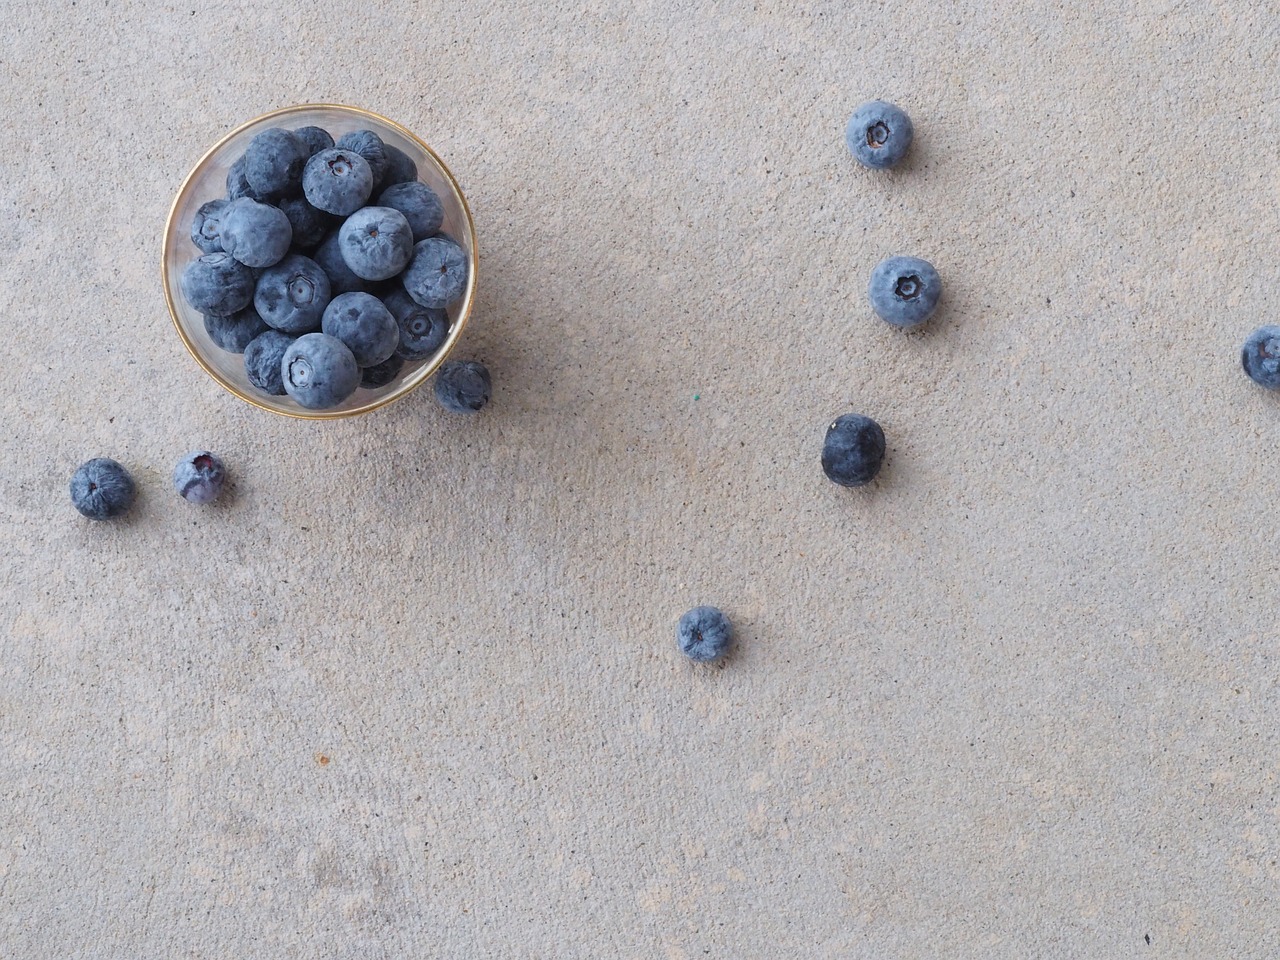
(316, 139)
(366, 326)
(400, 167)
(462, 386)
(309, 224)
(376, 242)
(319, 371)
(292, 295)
(370, 146)
(262, 361)
(256, 234)
(704, 634)
(423, 330)
(233, 333)
(199, 477)
(853, 450)
(380, 374)
(102, 489)
(437, 274)
(274, 161)
(341, 279)
(1260, 357)
(419, 204)
(878, 134)
(337, 181)
(206, 226)
(217, 284)
(904, 291)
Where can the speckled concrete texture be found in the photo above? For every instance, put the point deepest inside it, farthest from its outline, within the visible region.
(412, 690)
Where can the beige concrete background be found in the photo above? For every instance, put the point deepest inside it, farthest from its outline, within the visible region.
(412, 691)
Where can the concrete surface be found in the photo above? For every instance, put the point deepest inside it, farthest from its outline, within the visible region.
(412, 692)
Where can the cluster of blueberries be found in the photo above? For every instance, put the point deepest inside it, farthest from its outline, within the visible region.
(322, 288)
(102, 488)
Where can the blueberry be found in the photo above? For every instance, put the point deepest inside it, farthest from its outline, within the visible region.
(704, 634)
(217, 284)
(853, 450)
(878, 134)
(262, 361)
(256, 234)
(206, 225)
(437, 274)
(238, 185)
(274, 161)
(423, 330)
(904, 290)
(462, 386)
(102, 489)
(400, 167)
(198, 477)
(319, 371)
(233, 333)
(309, 224)
(341, 279)
(292, 295)
(370, 146)
(361, 322)
(1260, 357)
(376, 242)
(337, 181)
(316, 139)
(419, 204)
(380, 374)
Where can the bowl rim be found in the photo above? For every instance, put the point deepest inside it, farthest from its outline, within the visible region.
(422, 375)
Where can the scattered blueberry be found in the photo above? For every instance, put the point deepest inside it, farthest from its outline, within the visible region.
(704, 634)
(262, 361)
(1260, 357)
(292, 295)
(878, 134)
(419, 204)
(102, 489)
(217, 284)
(904, 290)
(274, 161)
(380, 374)
(400, 167)
(205, 226)
(366, 326)
(423, 330)
(337, 181)
(233, 333)
(316, 139)
(370, 146)
(341, 279)
(462, 386)
(437, 274)
(319, 371)
(376, 242)
(853, 450)
(256, 234)
(198, 477)
(309, 224)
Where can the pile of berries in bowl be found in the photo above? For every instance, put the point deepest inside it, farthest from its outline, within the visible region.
(320, 261)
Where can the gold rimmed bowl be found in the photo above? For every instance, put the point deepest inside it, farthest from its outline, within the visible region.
(208, 181)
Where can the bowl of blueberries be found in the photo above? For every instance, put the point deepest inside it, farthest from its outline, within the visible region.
(320, 261)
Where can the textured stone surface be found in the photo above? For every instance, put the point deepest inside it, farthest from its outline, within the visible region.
(413, 692)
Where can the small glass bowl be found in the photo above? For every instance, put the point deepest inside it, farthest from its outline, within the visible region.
(208, 181)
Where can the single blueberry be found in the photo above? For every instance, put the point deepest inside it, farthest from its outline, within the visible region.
(904, 290)
(256, 234)
(319, 371)
(274, 161)
(217, 284)
(463, 386)
(292, 295)
(437, 274)
(366, 326)
(419, 204)
(309, 224)
(337, 181)
(878, 134)
(380, 374)
(704, 634)
(206, 225)
(199, 477)
(853, 450)
(102, 489)
(233, 333)
(400, 167)
(316, 139)
(341, 279)
(423, 330)
(376, 242)
(262, 361)
(1260, 357)
(370, 146)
